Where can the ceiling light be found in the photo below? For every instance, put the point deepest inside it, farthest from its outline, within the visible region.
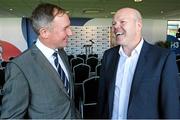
(138, 0)
(92, 10)
(112, 13)
(67, 12)
(10, 9)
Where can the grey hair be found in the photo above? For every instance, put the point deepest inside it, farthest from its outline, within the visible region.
(43, 15)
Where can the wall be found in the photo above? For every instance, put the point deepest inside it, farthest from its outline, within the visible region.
(153, 30)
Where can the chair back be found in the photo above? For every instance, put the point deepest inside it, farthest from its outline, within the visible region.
(178, 64)
(93, 55)
(83, 56)
(2, 81)
(90, 90)
(92, 62)
(98, 69)
(70, 57)
(88, 103)
(81, 72)
(2, 77)
(76, 61)
(177, 56)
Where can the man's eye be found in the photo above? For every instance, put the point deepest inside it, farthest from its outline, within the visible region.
(122, 22)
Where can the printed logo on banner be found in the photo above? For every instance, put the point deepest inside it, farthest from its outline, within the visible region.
(8, 50)
(174, 43)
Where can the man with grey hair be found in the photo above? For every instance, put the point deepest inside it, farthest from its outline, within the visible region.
(39, 82)
(138, 80)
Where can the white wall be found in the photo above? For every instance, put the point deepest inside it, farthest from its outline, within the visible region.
(154, 30)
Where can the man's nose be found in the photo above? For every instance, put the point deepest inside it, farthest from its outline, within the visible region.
(70, 32)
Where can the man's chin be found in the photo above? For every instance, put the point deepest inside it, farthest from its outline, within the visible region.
(119, 42)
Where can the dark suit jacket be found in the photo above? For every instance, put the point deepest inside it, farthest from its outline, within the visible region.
(154, 91)
(33, 86)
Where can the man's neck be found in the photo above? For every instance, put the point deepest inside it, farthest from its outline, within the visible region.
(128, 49)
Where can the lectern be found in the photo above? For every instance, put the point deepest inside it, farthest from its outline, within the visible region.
(88, 49)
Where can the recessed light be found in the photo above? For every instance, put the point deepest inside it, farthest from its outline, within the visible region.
(67, 12)
(112, 13)
(138, 0)
(92, 10)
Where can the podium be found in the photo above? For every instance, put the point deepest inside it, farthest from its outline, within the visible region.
(88, 49)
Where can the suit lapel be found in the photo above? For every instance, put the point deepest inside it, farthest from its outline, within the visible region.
(139, 71)
(46, 65)
(114, 64)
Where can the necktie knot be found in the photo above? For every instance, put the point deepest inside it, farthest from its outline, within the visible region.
(55, 54)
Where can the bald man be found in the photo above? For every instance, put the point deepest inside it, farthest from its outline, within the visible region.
(138, 80)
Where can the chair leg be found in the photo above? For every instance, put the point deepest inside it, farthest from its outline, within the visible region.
(81, 108)
(82, 111)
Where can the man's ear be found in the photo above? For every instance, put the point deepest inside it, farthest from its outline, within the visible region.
(43, 32)
(139, 24)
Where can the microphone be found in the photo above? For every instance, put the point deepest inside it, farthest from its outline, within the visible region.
(91, 41)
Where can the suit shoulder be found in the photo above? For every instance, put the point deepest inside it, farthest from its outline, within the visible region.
(23, 57)
(159, 52)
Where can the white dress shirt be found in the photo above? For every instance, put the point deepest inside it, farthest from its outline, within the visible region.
(48, 53)
(124, 76)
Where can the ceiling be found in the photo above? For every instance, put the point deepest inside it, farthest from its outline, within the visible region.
(150, 9)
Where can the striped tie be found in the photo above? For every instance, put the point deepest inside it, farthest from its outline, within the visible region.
(61, 72)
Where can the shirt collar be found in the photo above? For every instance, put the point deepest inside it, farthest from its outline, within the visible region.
(44, 49)
(137, 49)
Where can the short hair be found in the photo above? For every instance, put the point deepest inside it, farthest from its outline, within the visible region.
(44, 14)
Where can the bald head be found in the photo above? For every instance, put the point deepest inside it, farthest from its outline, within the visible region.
(127, 26)
(130, 12)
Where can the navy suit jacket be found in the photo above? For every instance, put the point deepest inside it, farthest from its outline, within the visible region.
(155, 86)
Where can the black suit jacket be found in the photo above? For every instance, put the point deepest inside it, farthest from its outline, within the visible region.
(154, 91)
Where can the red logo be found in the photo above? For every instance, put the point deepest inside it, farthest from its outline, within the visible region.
(8, 50)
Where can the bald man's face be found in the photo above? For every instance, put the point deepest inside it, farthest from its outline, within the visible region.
(125, 27)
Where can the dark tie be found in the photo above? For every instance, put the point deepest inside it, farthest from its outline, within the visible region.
(61, 72)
